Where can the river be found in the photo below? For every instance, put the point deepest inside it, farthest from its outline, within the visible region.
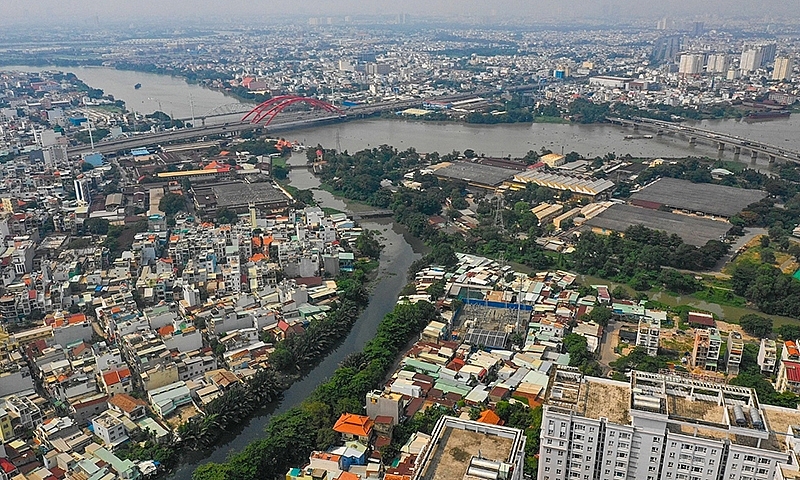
(491, 140)
(400, 250)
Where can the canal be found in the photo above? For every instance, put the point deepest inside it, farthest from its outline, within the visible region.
(400, 250)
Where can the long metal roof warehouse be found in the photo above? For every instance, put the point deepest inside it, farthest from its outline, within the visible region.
(692, 230)
(706, 198)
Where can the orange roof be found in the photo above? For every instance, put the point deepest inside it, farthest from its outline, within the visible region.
(392, 476)
(111, 378)
(348, 476)
(488, 416)
(166, 330)
(258, 257)
(256, 241)
(352, 424)
(125, 402)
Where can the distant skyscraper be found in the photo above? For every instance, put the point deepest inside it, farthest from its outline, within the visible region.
(768, 53)
(666, 48)
(698, 28)
(691, 64)
(662, 24)
(783, 68)
(718, 63)
(750, 59)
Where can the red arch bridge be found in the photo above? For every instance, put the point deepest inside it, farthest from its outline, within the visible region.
(275, 105)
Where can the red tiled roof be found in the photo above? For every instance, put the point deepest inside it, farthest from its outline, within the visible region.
(125, 402)
(696, 318)
(383, 419)
(488, 416)
(7, 466)
(792, 371)
(352, 424)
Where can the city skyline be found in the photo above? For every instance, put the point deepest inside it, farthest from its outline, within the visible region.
(17, 11)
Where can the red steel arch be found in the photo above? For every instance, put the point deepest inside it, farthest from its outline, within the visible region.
(275, 105)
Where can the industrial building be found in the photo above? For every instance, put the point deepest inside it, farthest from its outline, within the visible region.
(692, 230)
(584, 186)
(475, 174)
(704, 198)
(239, 195)
(660, 427)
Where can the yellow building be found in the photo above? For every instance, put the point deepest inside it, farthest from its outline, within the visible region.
(6, 430)
(553, 160)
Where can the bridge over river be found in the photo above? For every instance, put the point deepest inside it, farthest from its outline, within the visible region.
(721, 140)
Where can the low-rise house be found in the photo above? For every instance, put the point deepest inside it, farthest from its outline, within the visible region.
(131, 407)
(354, 427)
(109, 429)
(167, 399)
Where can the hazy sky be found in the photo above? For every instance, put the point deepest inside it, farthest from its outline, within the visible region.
(14, 11)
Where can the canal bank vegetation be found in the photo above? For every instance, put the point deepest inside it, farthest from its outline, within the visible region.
(292, 436)
(361, 176)
(291, 359)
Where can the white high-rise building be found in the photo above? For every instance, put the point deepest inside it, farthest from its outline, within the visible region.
(660, 427)
(783, 68)
(718, 63)
(691, 64)
(82, 194)
(751, 59)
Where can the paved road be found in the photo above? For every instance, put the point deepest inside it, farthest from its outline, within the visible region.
(610, 340)
(749, 234)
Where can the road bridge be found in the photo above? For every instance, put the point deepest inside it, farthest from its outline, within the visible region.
(285, 121)
(721, 140)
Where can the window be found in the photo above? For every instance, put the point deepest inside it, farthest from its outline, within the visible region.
(654, 449)
(546, 469)
(763, 460)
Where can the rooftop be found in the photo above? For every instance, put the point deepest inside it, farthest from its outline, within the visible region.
(698, 197)
(692, 230)
(455, 442)
(475, 173)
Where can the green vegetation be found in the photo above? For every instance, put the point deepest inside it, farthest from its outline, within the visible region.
(638, 258)
(519, 415)
(290, 437)
(579, 356)
(638, 359)
(750, 376)
(172, 203)
(771, 290)
(756, 325)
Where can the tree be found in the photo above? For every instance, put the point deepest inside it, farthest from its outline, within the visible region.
(599, 315)
(172, 203)
(368, 246)
(756, 325)
(226, 216)
(789, 332)
(96, 226)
